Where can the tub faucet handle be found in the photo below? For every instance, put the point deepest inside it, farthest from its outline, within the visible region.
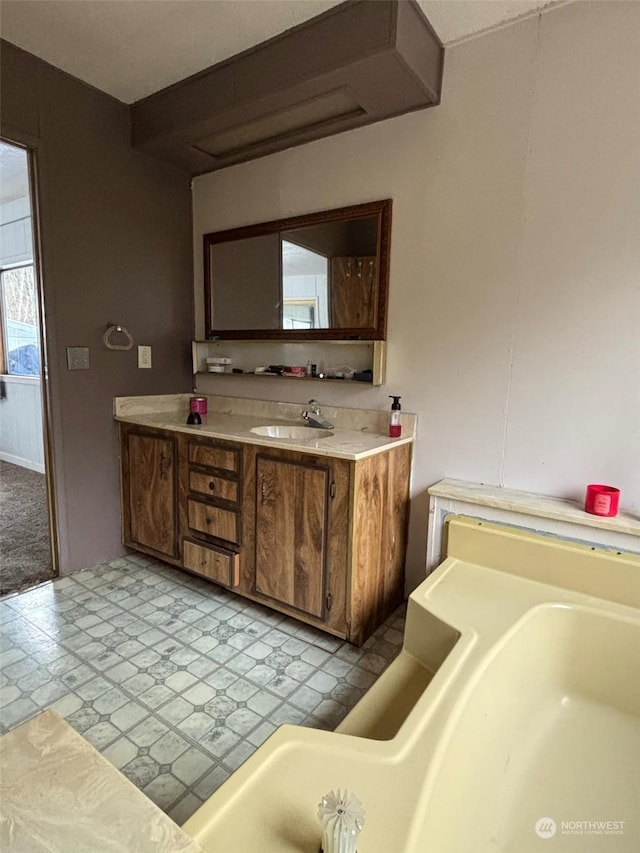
(341, 817)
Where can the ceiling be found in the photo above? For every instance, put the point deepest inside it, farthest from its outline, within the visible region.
(132, 48)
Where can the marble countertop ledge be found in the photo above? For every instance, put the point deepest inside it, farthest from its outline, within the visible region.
(357, 433)
(541, 506)
(57, 794)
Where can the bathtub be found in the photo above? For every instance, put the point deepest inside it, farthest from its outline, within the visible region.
(509, 722)
(548, 728)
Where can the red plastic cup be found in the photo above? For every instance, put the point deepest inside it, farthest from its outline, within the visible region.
(198, 404)
(602, 500)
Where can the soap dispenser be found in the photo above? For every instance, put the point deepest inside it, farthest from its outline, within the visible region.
(395, 427)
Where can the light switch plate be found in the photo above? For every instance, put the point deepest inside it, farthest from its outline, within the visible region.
(78, 358)
(144, 356)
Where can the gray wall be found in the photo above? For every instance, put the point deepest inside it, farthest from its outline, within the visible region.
(115, 233)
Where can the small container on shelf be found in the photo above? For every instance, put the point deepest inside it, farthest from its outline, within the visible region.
(602, 500)
(218, 364)
(296, 370)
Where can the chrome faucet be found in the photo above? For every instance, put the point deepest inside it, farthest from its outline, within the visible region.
(313, 416)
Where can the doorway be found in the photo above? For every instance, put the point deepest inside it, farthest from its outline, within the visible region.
(27, 544)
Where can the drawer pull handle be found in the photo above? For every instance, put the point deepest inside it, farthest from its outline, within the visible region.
(212, 486)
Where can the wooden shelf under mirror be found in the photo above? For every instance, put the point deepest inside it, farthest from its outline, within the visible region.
(249, 354)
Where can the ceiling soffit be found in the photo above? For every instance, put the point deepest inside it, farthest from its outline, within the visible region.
(357, 63)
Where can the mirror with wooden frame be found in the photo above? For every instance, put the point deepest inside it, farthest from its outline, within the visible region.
(322, 276)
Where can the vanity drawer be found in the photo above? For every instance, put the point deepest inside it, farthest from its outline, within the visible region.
(214, 521)
(216, 564)
(214, 486)
(215, 456)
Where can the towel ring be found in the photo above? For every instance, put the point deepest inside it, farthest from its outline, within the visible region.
(120, 330)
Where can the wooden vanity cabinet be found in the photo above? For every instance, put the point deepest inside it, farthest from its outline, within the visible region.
(149, 461)
(317, 538)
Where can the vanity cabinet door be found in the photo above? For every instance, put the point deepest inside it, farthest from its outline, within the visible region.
(149, 486)
(291, 533)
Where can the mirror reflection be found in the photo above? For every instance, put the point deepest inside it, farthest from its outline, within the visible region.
(305, 282)
(318, 276)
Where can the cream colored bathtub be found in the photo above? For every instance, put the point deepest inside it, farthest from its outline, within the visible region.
(549, 726)
(509, 722)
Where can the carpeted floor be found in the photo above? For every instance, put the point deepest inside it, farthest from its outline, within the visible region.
(25, 548)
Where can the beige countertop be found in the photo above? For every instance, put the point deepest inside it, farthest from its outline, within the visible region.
(357, 434)
(58, 794)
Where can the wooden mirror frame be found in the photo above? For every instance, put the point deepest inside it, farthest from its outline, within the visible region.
(377, 332)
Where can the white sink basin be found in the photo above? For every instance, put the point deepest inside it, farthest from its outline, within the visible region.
(291, 432)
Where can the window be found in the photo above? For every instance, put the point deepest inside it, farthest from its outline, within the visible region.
(299, 313)
(18, 310)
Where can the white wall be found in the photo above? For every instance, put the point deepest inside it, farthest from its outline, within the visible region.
(514, 316)
(21, 440)
(21, 420)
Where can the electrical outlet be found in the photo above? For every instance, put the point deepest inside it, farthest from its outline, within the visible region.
(144, 356)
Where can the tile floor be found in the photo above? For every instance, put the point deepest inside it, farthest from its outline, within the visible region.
(176, 681)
